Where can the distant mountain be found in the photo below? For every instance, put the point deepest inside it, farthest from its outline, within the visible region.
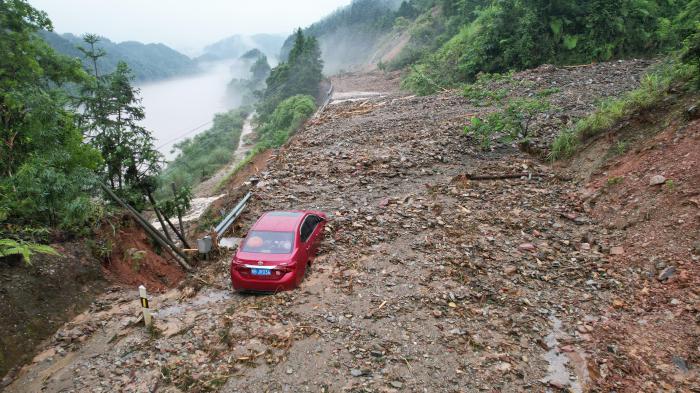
(149, 62)
(235, 46)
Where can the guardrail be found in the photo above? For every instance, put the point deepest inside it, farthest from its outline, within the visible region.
(326, 102)
(232, 216)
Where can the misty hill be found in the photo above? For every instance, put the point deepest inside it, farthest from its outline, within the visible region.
(149, 62)
(349, 36)
(449, 42)
(235, 46)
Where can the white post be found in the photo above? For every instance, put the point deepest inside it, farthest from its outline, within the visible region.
(144, 306)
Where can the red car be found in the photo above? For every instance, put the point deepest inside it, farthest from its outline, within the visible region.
(277, 251)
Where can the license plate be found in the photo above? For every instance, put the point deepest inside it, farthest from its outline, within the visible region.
(261, 272)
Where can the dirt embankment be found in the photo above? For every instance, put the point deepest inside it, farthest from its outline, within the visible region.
(36, 300)
(647, 197)
(133, 259)
(427, 280)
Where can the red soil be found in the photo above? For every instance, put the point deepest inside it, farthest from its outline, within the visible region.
(652, 334)
(133, 261)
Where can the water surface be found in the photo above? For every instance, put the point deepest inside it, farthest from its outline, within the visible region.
(183, 107)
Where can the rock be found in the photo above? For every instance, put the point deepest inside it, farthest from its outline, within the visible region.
(618, 250)
(696, 248)
(558, 384)
(437, 313)
(527, 247)
(356, 372)
(692, 113)
(667, 273)
(657, 180)
(396, 384)
(617, 303)
(680, 363)
(509, 270)
(503, 367)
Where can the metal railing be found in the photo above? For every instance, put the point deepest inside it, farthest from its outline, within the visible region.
(232, 216)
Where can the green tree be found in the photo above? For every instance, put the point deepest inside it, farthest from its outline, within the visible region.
(260, 70)
(44, 166)
(300, 74)
(285, 120)
(111, 119)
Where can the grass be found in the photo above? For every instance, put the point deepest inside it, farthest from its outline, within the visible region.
(202, 156)
(670, 185)
(653, 89)
(242, 164)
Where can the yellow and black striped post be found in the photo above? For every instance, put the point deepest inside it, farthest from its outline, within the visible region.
(145, 307)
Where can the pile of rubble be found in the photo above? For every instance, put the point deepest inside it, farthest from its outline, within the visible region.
(429, 279)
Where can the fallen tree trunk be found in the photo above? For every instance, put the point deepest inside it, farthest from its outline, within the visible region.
(150, 230)
(470, 176)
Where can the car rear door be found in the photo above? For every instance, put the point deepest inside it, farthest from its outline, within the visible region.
(317, 235)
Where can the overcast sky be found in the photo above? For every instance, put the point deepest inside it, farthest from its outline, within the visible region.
(186, 25)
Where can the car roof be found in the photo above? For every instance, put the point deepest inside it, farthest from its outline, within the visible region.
(280, 221)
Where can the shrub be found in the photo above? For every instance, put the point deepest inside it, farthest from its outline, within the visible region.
(653, 88)
(26, 250)
(201, 156)
(510, 124)
(284, 121)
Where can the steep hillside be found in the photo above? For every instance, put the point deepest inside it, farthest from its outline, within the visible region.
(446, 43)
(445, 267)
(351, 35)
(149, 62)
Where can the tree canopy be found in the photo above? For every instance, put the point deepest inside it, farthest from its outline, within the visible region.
(300, 74)
(44, 166)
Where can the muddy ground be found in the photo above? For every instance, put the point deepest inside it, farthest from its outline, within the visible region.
(37, 299)
(428, 281)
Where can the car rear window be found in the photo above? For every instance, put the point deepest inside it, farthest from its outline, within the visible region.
(284, 214)
(265, 242)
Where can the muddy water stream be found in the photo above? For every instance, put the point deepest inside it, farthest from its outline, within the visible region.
(557, 373)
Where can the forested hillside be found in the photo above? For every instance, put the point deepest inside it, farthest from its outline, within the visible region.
(448, 42)
(454, 40)
(148, 62)
(348, 36)
(65, 128)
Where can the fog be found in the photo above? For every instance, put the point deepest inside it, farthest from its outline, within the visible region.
(185, 25)
(183, 107)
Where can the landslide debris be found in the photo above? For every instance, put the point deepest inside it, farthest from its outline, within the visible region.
(427, 280)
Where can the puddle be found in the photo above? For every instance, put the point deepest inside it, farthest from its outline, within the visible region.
(211, 296)
(557, 373)
(203, 298)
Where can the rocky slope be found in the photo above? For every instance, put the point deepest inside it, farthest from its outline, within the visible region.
(430, 279)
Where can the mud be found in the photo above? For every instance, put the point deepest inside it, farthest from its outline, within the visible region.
(36, 300)
(427, 281)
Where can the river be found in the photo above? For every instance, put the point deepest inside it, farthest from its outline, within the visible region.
(183, 107)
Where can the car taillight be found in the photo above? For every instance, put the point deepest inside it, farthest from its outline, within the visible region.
(237, 265)
(285, 268)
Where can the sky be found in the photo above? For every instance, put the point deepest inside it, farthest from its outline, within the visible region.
(186, 25)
